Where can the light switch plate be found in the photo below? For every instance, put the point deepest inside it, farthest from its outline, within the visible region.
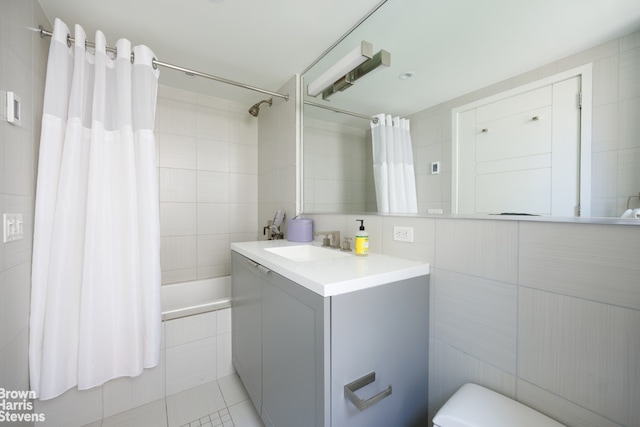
(12, 227)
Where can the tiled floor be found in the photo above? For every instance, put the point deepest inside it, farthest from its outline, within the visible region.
(222, 403)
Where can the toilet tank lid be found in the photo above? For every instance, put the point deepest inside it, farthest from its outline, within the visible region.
(476, 406)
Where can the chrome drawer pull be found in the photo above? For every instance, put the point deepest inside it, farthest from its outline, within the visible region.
(352, 387)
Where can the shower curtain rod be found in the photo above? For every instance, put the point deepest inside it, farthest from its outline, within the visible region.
(337, 110)
(156, 63)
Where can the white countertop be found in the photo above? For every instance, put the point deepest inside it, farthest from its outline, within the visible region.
(333, 276)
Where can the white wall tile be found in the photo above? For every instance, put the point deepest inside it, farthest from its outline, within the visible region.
(223, 321)
(213, 155)
(15, 294)
(558, 408)
(178, 252)
(450, 369)
(592, 261)
(581, 350)
(243, 158)
(243, 188)
(177, 151)
(178, 219)
(190, 365)
(476, 316)
(422, 248)
(213, 250)
(243, 217)
(178, 185)
(213, 218)
(482, 248)
(14, 369)
(224, 366)
(213, 187)
(176, 117)
(191, 328)
(629, 70)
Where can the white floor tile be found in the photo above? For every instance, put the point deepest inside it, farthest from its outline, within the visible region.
(244, 414)
(152, 414)
(232, 389)
(193, 404)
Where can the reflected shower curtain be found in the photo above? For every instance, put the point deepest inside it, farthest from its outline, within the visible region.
(393, 169)
(95, 298)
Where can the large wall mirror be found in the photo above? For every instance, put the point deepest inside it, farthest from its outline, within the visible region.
(485, 76)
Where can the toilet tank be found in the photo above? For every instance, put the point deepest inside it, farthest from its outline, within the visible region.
(476, 406)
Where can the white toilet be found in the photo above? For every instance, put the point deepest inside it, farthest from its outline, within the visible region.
(476, 406)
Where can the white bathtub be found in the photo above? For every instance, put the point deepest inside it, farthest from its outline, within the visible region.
(199, 296)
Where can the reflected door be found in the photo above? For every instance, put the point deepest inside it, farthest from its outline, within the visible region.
(522, 154)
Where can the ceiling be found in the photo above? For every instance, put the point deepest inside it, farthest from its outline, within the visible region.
(257, 42)
(454, 47)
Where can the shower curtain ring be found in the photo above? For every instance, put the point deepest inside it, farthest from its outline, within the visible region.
(133, 57)
(68, 40)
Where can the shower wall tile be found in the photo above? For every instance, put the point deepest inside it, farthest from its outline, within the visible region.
(580, 259)
(558, 408)
(176, 117)
(477, 316)
(213, 218)
(178, 185)
(583, 351)
(177, 151)
(178, 253)
(243, 158)
(208, 172)
(243, 188)
(243, 217)
(483, 248)
(214, 250)
(178, 219)
(213, 187)
(213, 155)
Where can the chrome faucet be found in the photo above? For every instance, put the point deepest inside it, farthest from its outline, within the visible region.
(331, 239)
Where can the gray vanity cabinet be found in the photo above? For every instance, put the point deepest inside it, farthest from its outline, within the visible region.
(246, 320)
(385, 330)
(311, 347)
(295, 342)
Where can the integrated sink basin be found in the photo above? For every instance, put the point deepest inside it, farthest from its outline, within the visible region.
(307, 253)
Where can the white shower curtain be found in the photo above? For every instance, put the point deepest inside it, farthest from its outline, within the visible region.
(393, 169)
(95, 298)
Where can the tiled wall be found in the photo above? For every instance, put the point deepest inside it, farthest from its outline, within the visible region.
(195, 350)
(615, 128)
(335, 175)
(545, 312)
(208, 169)
(277, 156)
(23, 56)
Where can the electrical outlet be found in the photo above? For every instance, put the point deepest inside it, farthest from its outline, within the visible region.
(403, 234)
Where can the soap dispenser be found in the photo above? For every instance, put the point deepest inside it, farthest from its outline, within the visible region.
(362, 240)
